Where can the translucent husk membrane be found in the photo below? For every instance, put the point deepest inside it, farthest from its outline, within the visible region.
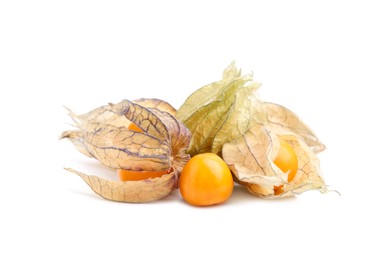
(104, 135)
(227, 118)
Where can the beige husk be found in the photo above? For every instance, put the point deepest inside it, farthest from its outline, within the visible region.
(103, 134)
(250, 158)
(227, 118)
(131, 191)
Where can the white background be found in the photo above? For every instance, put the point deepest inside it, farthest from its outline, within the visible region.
(329, 61)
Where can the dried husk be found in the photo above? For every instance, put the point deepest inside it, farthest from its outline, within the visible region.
(282, 119)
(250, 158)
(221, 111)
(131, 191)
(103, 134)
(227, 118)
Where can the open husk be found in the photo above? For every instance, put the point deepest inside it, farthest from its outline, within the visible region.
(104, 135)
(250, 158)
(131, 191)
(227, 118)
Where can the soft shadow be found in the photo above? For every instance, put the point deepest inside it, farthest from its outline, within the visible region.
(173, 197)
(242, 196)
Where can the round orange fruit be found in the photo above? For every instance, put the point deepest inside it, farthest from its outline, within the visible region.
(206, 180)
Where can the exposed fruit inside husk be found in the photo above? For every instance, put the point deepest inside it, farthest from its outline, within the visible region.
(227, 118)
(141, 136)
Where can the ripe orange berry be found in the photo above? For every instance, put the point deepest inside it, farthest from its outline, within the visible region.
(126, 175)
(206, 180)
(287, 161)
(135, 128)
